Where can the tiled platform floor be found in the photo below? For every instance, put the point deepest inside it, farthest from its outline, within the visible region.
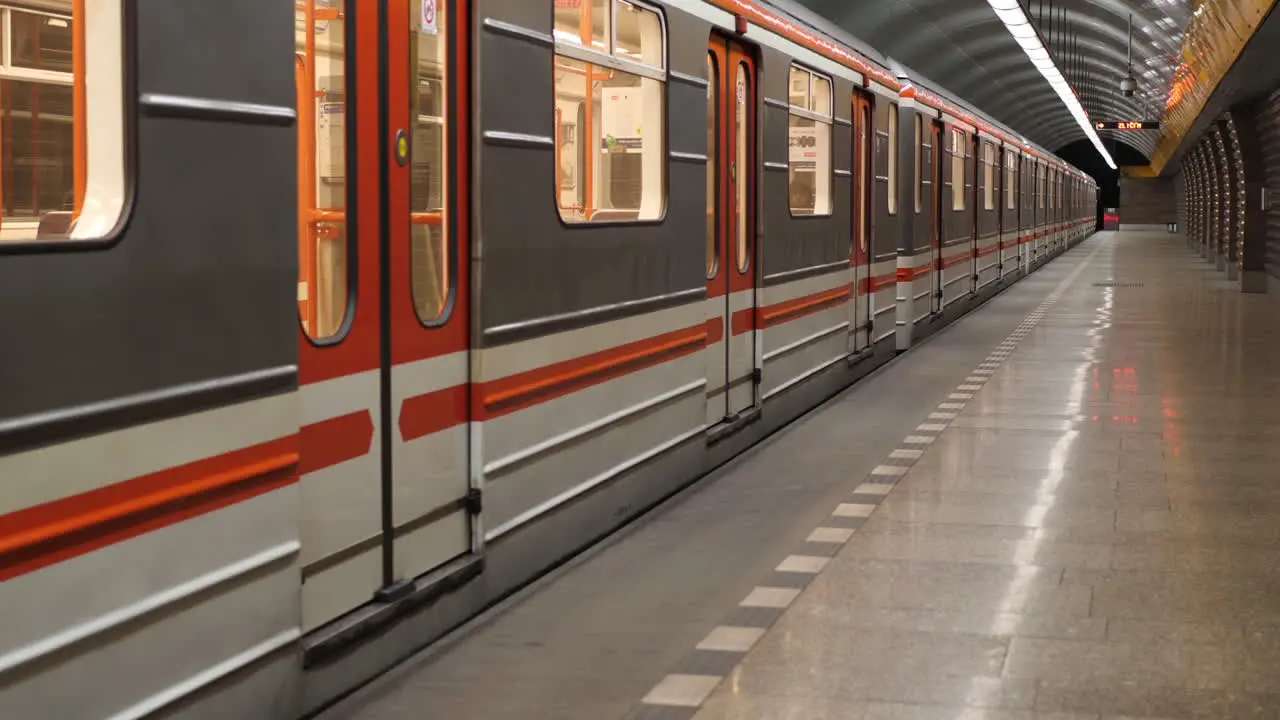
(1089, 529)
(1096, 535)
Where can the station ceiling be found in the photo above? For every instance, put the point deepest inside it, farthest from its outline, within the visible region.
(963, 46)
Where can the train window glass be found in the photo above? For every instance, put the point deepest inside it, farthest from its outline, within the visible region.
(799, 87)
(957, 169)
(1050, 173)
(639, 34)
(821, 96)
(864, 172)
(322, 171)
(610, 113)
(1010, 169)
(809, 143)
(742, 159)
(61, 129)
(919, 179)
(1040, 186)
(891, 193)
(713, 161)
(575, 20)
(988, 176)
(430, 269)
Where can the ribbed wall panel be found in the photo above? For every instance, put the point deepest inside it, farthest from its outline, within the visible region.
(1267, 125)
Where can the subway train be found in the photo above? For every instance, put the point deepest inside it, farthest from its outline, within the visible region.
(314, 350)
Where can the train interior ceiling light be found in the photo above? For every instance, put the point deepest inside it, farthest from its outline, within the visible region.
(1019, 26)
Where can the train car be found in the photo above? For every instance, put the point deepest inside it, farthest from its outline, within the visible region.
(316, 351)
(960, 247)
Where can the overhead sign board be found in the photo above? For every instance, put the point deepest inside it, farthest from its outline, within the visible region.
(1128, 125)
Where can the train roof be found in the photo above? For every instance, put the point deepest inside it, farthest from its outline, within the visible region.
(908, 75)
(800, 14)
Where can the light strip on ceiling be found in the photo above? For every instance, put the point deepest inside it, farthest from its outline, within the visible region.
(1019, 25)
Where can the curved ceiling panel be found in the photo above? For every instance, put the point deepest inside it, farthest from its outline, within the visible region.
(963, 46)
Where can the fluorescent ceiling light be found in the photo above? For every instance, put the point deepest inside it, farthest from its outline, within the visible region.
(1019, 25)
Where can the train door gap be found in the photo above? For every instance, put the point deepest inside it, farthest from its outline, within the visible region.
(732, 357)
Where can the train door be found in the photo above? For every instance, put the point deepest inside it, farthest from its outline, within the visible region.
(940, 158)
(731, 267)
(863, 186)
(383, 301)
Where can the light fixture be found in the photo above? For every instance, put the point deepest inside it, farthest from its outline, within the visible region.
(1019, 26)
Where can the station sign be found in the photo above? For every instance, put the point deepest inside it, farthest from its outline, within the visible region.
(1128, 125)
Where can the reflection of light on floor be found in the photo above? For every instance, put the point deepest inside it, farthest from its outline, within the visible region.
(1008, 610)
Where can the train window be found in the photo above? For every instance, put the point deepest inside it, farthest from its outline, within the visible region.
(430, 270)
(809, 143)
(919, 180)
(989, 176)
(1051, 182)
(742, 159)
(320, 48)
(957, 169)
(891, 194)
(1010, 169)
(61, 158)
(713, 161)
(864, 187)
(610, 112)
(1040, 186)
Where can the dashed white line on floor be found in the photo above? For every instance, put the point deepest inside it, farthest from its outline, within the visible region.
(770, 597)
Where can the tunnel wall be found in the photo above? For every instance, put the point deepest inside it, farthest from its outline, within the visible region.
(1147, 201)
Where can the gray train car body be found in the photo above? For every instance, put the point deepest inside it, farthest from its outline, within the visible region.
(207, 513)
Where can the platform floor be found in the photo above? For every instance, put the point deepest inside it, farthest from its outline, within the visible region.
(1065, 506)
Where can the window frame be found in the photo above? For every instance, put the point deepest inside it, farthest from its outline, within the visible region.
(351, 207)
(746, 203)
(829, 121)
(126, 55)
(714, 80)
(891, 169)
(988, 176)
(586, 54)
(451, 78)
(959, 154)
(1040, 178)
(919, 169)
(1010, 170)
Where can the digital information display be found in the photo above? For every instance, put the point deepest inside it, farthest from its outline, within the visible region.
(1128, 125)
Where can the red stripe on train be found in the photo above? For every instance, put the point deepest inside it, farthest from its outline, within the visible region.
(59, 530)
